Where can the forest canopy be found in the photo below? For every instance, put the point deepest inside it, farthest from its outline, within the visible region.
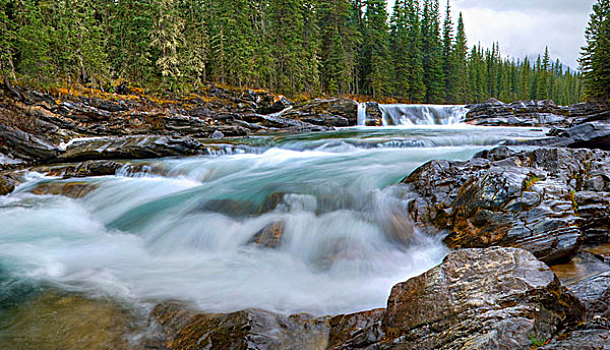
(333, 47)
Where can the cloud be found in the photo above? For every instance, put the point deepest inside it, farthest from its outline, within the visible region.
(526, 27)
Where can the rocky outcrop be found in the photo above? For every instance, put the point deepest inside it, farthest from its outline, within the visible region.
(532, 113)
(330, 112)
(23, 145)
(586, 339)
(594, 292)
(131, 147)
(355, 331)
(593, 135)
(498, 298)
(247, 329)
(526, 199)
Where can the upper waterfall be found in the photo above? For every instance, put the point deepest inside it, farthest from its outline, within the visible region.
(404, 114)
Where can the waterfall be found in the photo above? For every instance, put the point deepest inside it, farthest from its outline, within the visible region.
(362, 114)
(404, 114)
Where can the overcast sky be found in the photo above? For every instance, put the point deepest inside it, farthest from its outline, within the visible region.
(525, 27)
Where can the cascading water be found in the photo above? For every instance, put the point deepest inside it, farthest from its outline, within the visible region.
(404, 114)
(362, 114)
(184, 231)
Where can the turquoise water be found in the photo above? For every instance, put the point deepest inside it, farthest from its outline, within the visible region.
(182, 231)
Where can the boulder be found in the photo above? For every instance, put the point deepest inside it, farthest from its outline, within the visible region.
(594, 293)
(7, 184)
(355, 331)
(528, 199)
(246, 329)
(498, 298)
(586, 339)
(20, 144)
(70, 189)
(60, 320)
(131, 147)
(335, 110)
(269, 236)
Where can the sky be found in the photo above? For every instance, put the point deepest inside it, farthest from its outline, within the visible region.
(526, 27)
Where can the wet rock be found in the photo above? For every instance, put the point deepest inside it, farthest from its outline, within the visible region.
(589, 135)
(269, 105)
(247, 329)
(229, 207)
(7, 184)
(67, 189)
(26, 146)
(525, 199)
(355, 331)
(586, 339)
(374, 117)
(131, 147)
(84, 169)
(479, 299)
(335, 111)
(63, 321)
(584, 265)
(594, 293)
(269, 236)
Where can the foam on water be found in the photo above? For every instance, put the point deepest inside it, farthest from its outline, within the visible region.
(184, 235)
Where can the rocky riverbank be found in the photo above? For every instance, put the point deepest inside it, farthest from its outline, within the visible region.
(519, 223)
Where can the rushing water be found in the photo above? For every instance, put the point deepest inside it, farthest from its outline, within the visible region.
(402, 114)
(181, 232)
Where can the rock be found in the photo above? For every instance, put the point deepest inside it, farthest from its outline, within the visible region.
(67, 189)
(337, 107)
(534, 113)
(355, 331)
(217, 135)
(374, 116)
(589, 135)
(587, 339)
(7, 184)
(269, 236)
(594, 293)
(131, 147)
(84, 169)
(526, 199)
(26, 146)
(62, 321)
(479, 299)
(247, 329)
(584, 265)
(271, 105)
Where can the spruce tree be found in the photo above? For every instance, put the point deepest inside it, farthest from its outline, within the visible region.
(459, 89)
(376, 69)
(432, 53)
(448, 67)
(338, 42)
(595, 56)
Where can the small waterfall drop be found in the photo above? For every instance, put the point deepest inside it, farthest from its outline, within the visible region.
(405, 114)
(362, 114)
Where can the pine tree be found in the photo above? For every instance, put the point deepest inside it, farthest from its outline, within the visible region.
(376, 58)
(448, 67)
(432, 53)
(406, 51)
(595, 56)
(459, 90)
(337, 46)
(193, 55)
